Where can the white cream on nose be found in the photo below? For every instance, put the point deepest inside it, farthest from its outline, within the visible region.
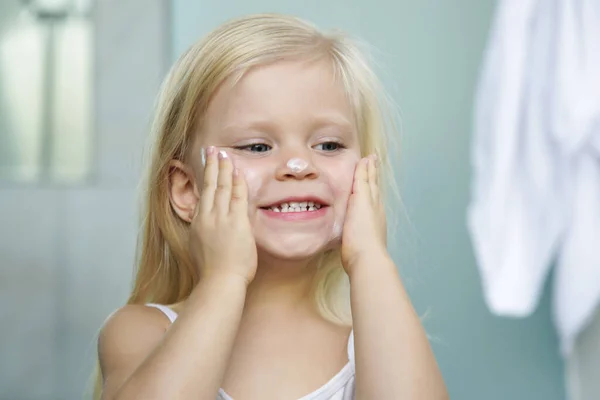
(297, 165)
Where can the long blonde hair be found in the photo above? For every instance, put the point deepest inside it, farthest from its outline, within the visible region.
(165, 273)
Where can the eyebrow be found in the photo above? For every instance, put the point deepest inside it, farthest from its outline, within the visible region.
(318, 121)
(331, 119)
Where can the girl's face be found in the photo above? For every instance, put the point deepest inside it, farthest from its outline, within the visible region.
(288, 127)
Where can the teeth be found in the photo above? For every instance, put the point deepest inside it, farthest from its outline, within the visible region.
(296, 207)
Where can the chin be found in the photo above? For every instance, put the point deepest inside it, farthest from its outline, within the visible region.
(293, 249)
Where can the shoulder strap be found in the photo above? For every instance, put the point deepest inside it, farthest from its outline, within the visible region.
(351, 347)
(172, 315)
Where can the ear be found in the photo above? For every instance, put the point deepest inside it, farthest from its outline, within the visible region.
(183, 193)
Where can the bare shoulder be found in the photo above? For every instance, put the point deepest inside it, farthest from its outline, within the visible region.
(127, 337)
(131, 328)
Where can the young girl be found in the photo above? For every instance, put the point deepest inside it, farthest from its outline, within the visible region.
(263, 271)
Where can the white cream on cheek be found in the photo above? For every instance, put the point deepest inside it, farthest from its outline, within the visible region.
(342, 189)
(254, 181)
(203, 157)
(336, 231)
(254, 174)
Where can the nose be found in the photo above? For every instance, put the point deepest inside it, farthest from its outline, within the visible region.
(296, 167)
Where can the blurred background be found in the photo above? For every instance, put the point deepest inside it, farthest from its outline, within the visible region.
(78, 80)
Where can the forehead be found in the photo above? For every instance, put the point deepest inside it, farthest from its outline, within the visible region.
(282, 93)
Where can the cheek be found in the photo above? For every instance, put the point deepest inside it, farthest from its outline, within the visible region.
(342, 179)
(342, 189)
(254, 173)
(343, 183)
(341, 186)
(254, 180)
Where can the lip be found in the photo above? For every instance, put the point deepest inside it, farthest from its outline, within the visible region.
(297, 199)
(296, 215)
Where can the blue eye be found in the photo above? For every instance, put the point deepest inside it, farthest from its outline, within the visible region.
(329, 146)
(256, 147)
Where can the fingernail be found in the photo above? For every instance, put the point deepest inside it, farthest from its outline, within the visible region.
(236, 172)
(210, 150)
(203, 156)
(222, 154)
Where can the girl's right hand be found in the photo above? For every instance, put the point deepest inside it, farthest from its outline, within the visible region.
(221, 238)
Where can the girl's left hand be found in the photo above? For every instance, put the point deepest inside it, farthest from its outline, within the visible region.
(364, 236)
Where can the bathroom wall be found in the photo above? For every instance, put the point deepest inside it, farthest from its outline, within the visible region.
(66, 252)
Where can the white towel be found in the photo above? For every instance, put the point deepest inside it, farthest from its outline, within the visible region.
(536, 164)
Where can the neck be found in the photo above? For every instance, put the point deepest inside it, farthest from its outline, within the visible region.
(282, 283)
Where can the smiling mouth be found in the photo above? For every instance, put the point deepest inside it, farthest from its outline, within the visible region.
(290, 207)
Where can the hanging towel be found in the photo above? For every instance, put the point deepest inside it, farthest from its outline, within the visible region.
(535, 197)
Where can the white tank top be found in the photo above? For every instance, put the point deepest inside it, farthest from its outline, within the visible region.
(340, 387)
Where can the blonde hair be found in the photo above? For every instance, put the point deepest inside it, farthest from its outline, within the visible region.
(165, 273)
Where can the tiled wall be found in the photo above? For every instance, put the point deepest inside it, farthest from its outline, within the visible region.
(66, 254)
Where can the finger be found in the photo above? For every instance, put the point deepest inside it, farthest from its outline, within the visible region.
(194, 213)
(360, 183)
(239, 193)
(224, 180)
(372, 174)
(209, 184)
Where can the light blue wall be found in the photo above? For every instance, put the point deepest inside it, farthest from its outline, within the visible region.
(431, 52)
